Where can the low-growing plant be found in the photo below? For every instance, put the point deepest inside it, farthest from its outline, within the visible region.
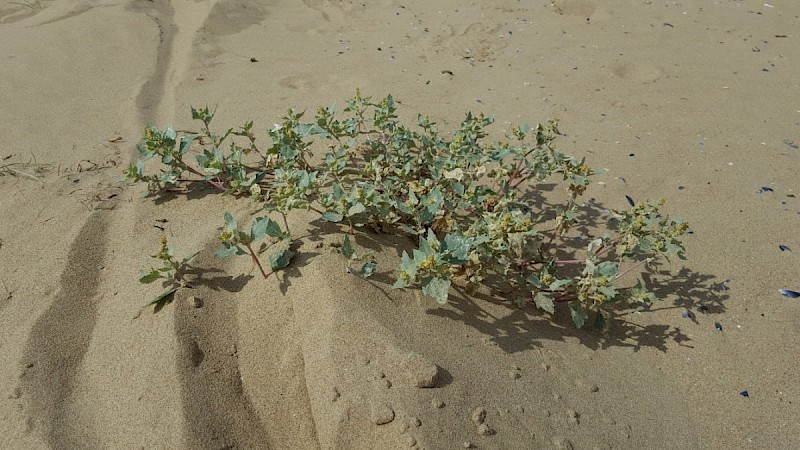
(171, 270)
(238, 242)
(475, 208)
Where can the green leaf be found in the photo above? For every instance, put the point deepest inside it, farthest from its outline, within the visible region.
(243, 238)
(170, 134)
(358, 208)
(186, 143)
(274, 230)
(578, 312)
(163, 298)
(197, 114)
(558, 284)
(607, 269)
(149, 276)
(457, 248)
(266, 226)
(259, 228)
(281, 259)
(228, 250)
(430, 243)
(331, 216)
(408, 267)
(347, 248)
(534, 281)
(544, 302)
(368, 269)
(400, 283)
(230, 224)
(438, 288)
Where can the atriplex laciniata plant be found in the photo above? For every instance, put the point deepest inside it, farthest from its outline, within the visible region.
(475, 208)
(171, 271)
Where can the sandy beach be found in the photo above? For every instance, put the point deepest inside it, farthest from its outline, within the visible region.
(696, 102)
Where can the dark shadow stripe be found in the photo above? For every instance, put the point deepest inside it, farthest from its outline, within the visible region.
(60, 337)
(149, 98)
(218, 412)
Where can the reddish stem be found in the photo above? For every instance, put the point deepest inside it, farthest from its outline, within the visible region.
(219, 185)
(255, 259)
(633, 266)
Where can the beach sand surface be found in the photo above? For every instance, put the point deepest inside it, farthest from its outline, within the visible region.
(695, 102)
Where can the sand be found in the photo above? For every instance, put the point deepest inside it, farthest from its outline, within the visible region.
(696, 102)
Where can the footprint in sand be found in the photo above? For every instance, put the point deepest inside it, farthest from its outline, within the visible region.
(640, 73)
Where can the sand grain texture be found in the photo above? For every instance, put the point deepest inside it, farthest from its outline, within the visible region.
(696, 102)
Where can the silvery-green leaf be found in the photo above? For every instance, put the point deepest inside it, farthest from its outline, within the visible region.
(594, 246)
(544, 302)
(281, 259)
(455, 174)
(347, 248)
(148, 276)
(558, 284)
(164, 298)
(438, 288)
(170, 134)
(578, 313)
(186, 143)
(230, 224)
(331, 216)
(534, 281)
(228, 250)
(367, 269)
(358, 208)
(607, 269)
(259, 228)
(407, 229)
(271, 228)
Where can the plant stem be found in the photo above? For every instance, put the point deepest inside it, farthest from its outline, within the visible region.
(633, 266)
(217, 184)
(255, 260)
(285, 222)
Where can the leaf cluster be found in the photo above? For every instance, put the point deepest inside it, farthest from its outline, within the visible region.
(473, 206)
(169, 269)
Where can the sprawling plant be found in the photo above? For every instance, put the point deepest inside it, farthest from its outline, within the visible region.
(474, 208)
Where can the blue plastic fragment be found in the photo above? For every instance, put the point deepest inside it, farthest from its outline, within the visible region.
(789, 293)
(744, 394)
(630, 200)
(766, 189)
(784, 248)
(687, 314)
(724, 286)
(718, 326)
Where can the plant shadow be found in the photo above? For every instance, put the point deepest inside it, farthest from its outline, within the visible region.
(208, 278)
(299, 260)
(520, 329)
(193, 190)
